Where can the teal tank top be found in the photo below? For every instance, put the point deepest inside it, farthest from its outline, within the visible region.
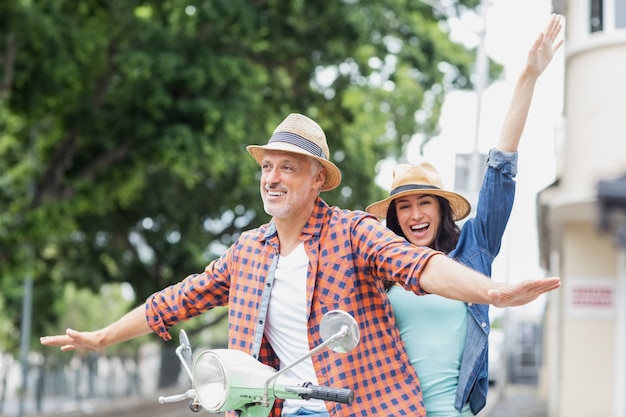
(433, 330)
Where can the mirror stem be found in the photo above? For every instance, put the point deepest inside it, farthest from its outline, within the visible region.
(179, 353)
(343, 332)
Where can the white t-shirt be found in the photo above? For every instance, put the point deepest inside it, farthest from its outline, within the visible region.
(286, 327)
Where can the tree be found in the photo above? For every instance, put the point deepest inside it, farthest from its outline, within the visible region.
(123, 124)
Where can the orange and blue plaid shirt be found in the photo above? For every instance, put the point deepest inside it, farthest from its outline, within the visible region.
(350, 254)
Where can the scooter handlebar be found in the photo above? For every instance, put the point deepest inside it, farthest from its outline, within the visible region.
(338, 395)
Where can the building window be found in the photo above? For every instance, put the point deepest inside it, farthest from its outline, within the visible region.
(620, 14)
(595, 18)
(607, 15)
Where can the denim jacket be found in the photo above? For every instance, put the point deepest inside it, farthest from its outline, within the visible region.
(477, 247)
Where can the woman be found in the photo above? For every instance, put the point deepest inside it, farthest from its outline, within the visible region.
(449, 348)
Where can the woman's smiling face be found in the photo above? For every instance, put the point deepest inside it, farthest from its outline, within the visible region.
(419, 217)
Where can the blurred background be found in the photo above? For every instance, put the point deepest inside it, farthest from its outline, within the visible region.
(123, 169)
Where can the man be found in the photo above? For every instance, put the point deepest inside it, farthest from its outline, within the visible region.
(312, 258)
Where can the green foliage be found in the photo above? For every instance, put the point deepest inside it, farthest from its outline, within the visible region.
(497, 322)
(7, 331)
(123, 126)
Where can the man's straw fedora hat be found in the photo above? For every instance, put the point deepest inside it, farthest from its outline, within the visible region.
(301, 135)
(419, 179)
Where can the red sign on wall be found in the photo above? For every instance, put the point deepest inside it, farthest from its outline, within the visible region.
(591, 296)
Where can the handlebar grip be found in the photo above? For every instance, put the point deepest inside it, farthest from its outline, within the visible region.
(338, 395)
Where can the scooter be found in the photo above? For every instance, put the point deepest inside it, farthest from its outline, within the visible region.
(232, 380)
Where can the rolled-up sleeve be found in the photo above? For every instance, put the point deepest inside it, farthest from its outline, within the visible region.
(390, 256)
(503, 161)
(189, 298)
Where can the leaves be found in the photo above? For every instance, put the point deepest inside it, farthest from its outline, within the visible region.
(123, 125)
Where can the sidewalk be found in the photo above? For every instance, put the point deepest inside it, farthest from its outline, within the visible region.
(519, 400)
(512, 400)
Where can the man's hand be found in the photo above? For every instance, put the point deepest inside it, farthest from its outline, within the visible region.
(522, 293)
(132, 324)
(73, 340)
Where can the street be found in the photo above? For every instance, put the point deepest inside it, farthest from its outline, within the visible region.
(135, 408)
(512, 400)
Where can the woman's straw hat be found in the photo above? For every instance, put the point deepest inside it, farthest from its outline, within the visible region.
(301, 135)
(419, 179)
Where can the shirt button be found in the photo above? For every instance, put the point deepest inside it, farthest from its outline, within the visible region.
(483, 325)
(261, 322)
(269, 284)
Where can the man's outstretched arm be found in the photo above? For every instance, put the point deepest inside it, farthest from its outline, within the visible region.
(133, 324)
(450, 279)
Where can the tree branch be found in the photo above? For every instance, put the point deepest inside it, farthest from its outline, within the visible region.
(8, 63)
(105, 161)
(53, 174)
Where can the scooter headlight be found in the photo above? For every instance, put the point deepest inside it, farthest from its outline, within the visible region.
(229, 379)
(210, 381)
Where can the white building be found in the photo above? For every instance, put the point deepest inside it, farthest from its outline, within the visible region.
(584, 370)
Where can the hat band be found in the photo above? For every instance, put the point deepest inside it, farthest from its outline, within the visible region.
(412, 187)
(299, 141)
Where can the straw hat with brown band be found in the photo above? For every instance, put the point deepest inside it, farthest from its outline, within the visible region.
(419, 179)
(301, 135)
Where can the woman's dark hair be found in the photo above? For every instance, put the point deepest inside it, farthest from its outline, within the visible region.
(446, 238)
